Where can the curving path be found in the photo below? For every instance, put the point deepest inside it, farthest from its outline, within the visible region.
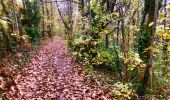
(52, 74)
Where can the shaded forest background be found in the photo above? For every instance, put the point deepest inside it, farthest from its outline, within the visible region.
(127, 39)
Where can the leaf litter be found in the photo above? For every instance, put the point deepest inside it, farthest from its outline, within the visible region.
(53, 74)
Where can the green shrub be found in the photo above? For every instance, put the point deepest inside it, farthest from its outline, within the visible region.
(93, 53)
(33, 33)
(31, 22)
(122, 91)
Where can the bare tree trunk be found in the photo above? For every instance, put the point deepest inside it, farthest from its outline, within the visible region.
(118, 31)
(89, 14)
(70, 20)
(124, 44)
(15, 24)
(82, 13)
(43, 20)
(51, 14)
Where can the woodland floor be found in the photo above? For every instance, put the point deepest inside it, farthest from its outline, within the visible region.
(53, 74)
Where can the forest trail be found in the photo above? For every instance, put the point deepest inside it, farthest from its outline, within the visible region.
(52, 74)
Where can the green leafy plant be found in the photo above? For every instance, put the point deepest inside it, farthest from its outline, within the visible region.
(122, 91)
(31, 20)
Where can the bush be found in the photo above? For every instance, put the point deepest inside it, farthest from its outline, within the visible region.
(33, 33)
(93, 53)
(122, 91)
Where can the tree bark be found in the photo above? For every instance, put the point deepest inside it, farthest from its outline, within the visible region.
(145, 41)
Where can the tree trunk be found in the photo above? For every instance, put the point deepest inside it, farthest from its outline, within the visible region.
(124, 43)
(15, 17)
(145, 41)
(43, 20)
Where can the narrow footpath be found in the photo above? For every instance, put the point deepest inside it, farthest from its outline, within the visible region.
(53, 74)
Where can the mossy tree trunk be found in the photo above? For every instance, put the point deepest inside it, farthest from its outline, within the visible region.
(145, 41)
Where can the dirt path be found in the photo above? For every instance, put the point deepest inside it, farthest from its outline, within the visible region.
(52, 74)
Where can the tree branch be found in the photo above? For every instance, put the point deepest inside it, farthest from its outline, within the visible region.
(65, 24)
